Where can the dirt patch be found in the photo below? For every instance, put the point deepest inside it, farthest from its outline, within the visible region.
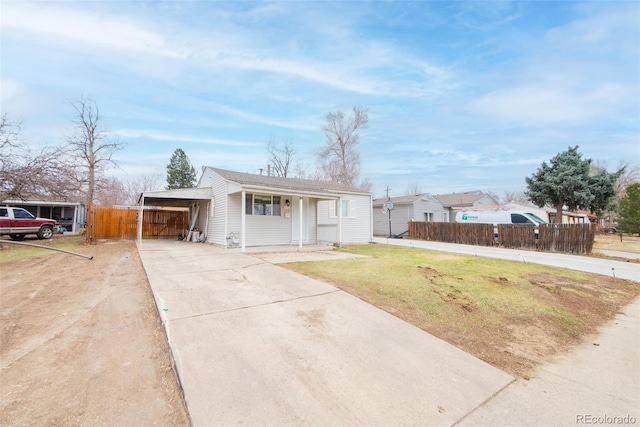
(82, 343)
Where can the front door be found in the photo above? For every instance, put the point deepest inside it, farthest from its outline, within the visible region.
(295, 220)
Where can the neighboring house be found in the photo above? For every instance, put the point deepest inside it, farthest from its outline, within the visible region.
(241, 209)
(70, 216)
(573, 217)
(421, 207)
(424, 207)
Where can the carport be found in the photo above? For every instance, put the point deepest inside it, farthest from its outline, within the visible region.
(197, 200)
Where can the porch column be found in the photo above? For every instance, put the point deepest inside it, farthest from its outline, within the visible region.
(301, 223)
(243, 226)
(339, 214)
(74, 225)
(140, 213)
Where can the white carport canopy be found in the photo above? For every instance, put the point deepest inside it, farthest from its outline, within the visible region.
(181, 197)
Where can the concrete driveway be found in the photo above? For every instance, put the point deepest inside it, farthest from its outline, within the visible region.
(257, 344)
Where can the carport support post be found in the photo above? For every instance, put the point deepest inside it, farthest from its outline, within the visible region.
(243, 221)
(300, 228)
(140, 212)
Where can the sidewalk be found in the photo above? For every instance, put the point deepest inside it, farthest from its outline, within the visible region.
(607, 267)
(597, 382)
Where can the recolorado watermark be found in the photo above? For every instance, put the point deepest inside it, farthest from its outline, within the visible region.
(605, 419)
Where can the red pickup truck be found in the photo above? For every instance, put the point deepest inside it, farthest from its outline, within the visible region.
(17, 222)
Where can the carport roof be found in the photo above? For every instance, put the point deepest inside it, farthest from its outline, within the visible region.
(181, 197)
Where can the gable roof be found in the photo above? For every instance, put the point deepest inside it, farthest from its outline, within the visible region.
(400, 200)
(293, 184)
(460, 199)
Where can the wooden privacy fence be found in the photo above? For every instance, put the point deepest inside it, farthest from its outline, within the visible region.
(570, 238)
(119, 223)
(453, 232)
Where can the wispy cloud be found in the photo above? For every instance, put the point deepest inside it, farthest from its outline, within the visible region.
(541, 104)
(159, 136)
(86, 29)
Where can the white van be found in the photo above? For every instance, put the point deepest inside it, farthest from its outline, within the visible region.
(498, 217)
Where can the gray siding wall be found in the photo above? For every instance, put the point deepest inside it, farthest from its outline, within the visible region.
(484, 201)
(261, 230)
(217, 230)
(428, 205)
(354, 230)
(267, 230)
(400, 216)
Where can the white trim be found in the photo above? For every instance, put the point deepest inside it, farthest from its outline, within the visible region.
(226, 214)
(332, 208)
(301, 226)
(339, 236)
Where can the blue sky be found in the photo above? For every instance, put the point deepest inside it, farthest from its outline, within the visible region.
(461, 95)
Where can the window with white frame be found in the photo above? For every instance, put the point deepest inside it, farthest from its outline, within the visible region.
(347, 210)
(262, 204)
(428, 216)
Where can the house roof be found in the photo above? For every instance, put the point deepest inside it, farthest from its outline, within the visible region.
(460, 199)
(39, 203)
(400, 200)
(279, 183)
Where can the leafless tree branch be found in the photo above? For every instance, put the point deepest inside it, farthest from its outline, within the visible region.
(339, 158)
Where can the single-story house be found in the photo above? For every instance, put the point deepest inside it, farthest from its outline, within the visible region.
(240, 209)
(423, 208)
(71, 216)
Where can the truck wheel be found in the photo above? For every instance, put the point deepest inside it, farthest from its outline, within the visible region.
(45, 232)
(16, 236)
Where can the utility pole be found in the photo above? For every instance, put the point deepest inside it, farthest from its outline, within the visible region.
(389, 205)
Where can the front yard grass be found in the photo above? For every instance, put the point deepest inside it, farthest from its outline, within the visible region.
(512, 315)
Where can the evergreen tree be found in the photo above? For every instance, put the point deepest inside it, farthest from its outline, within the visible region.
(566, 181)
(180, 172)
(629, 209)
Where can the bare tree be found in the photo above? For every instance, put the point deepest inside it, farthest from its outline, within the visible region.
(339, 159)
(89, 143)
(110, 191)
(630, 175)
(134, 186)
(413, 189)
(9, 133)
(515, 197)
(31, 174)
(281, 157)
